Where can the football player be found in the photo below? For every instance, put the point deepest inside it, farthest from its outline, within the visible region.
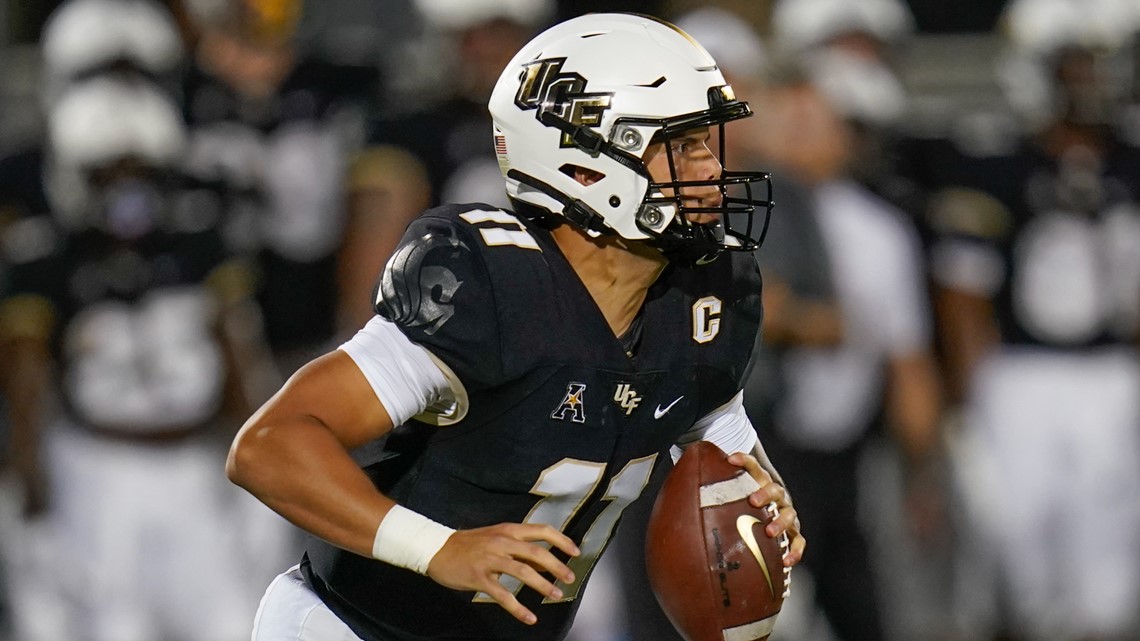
(117, 326)
(266, 119)
(463, 460)
(1037, 265)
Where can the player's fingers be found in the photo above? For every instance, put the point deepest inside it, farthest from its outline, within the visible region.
(795, 550)
(534, 532)
(542, 560)
(771, 493)
(532, 579)
(786, 521)
(752, 466)
(507, 600)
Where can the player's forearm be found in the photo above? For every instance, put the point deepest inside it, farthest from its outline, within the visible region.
(762, 456)
(967, 332)
(818, 323)
(793, 319)
(254, 373)
(298, 468)
(25, 384)
(914, 405)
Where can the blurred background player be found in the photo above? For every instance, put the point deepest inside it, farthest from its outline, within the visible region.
(851, 54)
(125, 333)
(275, 125)
(846, 317)
(847, 312)
(122, 353)
(854, 50)
(1037, 261)
(448, 135)
(879, 377)
(82, 38)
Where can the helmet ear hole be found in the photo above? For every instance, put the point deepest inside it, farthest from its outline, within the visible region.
(584, 175)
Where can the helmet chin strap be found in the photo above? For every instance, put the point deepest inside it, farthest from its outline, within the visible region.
(682, 241)
(692, 245)
(573, 209)
(689, 256)
(679, 247)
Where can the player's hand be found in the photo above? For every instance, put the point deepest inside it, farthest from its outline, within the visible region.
(770, 491)
(476, 560)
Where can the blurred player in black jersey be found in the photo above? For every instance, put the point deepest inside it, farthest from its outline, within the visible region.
(272, 120)
(118, 335)
(527, 369)
(1037, 263)
(117, 330)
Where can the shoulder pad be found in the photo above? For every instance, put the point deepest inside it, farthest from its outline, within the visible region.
(419, 281)
(437, 290)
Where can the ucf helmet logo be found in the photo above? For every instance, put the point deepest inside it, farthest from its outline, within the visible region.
(544, 87)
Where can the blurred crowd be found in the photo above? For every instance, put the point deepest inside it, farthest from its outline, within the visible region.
(949, 379)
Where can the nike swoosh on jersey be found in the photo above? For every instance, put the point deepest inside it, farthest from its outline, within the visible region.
(659, 412)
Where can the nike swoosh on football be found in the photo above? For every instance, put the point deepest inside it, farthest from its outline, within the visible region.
(744, 524)
(658, 413)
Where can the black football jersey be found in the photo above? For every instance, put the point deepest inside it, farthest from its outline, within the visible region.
(255, 146)
(126, 288)
(563, 427)
(1065, 234)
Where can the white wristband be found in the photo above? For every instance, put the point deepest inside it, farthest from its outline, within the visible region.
(408, 539)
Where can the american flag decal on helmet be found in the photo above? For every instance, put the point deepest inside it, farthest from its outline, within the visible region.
(500, 144)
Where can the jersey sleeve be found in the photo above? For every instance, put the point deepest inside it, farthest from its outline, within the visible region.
(437, 291)
(32, 282)
(405, 377)
(728, 427)
(969, 228)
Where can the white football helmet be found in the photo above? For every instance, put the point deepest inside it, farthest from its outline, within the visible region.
(594, 92)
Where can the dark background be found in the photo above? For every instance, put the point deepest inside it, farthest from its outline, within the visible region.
(21, 20)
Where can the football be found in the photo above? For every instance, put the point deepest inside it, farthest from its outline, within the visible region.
(717, 575)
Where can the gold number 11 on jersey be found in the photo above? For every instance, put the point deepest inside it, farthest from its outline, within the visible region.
(564, 488)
